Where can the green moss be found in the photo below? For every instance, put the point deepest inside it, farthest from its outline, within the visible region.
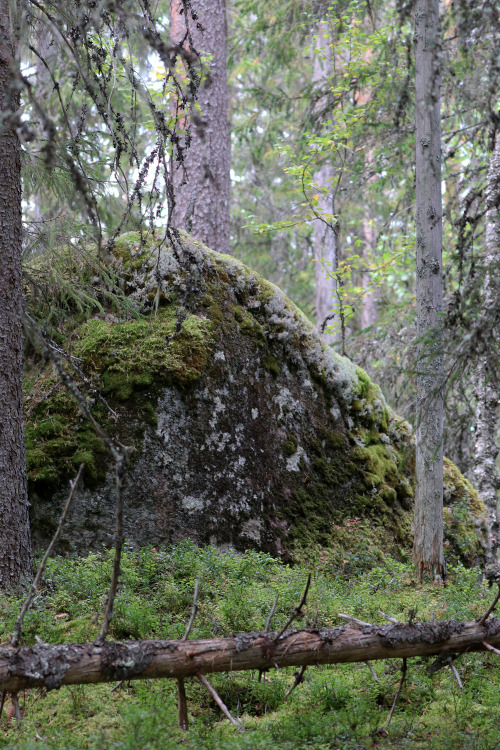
(133, 355)
(272, 365)
(464, 517)
(249, 325)
(290, 445)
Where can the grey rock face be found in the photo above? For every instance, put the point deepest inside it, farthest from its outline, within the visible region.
(248, 432)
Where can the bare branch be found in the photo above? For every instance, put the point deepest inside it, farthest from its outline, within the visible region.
(194, 611)
(297, 611)
(490, 608)
(403, 677)
(217, 699)
(33, 588)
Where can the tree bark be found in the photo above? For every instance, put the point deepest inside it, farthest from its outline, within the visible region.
(487, 391)
(428, 540)
(90, 663)
(15, 544)
(201, 180)
(324, 236)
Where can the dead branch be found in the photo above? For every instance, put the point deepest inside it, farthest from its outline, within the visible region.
(400, 686)
(194, 611)
(299, 677)
(456, 675)
(297, 611)
(217, 699)
(45, 665)
(372, 671)
(182, 713)
(490, 608)
(354, 621)
(18, 627)
(271, 614)
(490, 648)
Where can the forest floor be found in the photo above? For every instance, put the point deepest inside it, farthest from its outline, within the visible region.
(340, 706)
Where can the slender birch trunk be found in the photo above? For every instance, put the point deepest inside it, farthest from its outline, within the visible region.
(487, 390)
(428, 541)
(201, 181)
(15, 544)
(369, 311)
(325, 237)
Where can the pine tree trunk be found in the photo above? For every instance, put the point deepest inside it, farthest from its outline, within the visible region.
(325, 237)
(201, 182)
(428, 541)
(487, 391)
(15, 545)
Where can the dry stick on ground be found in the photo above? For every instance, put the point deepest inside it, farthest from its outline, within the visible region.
(217, 699)
(403, 677)
(457, 676)
(388, 617)
(372, 671)
(354, 621)
(18, 627)
(297, 611)
(182, 712)
(76, 664)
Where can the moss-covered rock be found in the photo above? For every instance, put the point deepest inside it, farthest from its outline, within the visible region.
(247, 430)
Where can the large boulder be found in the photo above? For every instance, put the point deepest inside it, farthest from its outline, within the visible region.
(247, 430)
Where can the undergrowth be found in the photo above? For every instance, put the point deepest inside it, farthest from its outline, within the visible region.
(336, 707)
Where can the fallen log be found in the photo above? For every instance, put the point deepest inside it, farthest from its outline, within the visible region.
(51, 666)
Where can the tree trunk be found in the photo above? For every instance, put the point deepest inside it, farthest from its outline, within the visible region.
(15, 545)
(325, 237)
(369, 311)
(201, 181)
(428, 543)
(487, 391)
(90, 663)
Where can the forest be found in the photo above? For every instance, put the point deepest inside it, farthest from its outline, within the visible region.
(249, 374)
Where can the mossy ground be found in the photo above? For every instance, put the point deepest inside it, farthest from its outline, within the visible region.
(336, 707)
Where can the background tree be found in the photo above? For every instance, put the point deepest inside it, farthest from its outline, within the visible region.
(15, 543)
(428, 540)
(201, 176)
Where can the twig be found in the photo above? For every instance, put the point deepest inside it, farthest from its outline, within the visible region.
(299, 677)
(373, 673)
(354, 620)
(486, 645)
(15, 703)
(182, 713)
(18, 627)
(117, 687)
(271, 614)
(194, 610)
(2, 701)
(388, 617)
(457, 676)
(217, 699)
(121, 462)
(266, 630)
(297, 611)
(491, 608)
(403, 677)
